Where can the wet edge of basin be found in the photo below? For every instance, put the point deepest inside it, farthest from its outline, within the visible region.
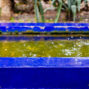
(39, 38)
(44, 62)
(44, 27)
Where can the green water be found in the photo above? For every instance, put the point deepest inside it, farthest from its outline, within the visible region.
(57, 48)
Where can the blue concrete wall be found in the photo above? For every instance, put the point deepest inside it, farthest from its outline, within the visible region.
(43, 27)
(44, 73)
(44, 62)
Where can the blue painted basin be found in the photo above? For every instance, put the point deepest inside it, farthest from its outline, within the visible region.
(44, 72)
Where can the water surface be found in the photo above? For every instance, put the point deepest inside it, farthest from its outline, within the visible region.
(40, 46)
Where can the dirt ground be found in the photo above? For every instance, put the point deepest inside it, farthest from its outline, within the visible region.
(49, 16)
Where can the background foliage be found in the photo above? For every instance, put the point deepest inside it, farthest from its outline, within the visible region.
(39, 7)
(72, 7)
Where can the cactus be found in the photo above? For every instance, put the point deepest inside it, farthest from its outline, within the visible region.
(70, 6)
(39, 11)
(59, 11)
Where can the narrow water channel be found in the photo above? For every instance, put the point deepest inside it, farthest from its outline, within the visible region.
(44, 46)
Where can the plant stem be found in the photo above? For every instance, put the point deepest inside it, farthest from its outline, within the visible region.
(37, 11)
(58, 13)
(41, 11)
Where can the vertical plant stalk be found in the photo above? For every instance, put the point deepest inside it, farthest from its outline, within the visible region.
(69, 9)
(37, 11)
(78, 4)
(41, 11)
(69, 4)
(59, 11)
(74, 11)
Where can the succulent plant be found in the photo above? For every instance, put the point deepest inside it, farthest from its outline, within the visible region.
(72, 7)
(39, 11)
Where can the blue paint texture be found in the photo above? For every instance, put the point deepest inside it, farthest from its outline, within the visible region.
(44, 62)
(44, 72)
(43, 27)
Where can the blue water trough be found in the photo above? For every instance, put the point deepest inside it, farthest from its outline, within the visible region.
(44, 72)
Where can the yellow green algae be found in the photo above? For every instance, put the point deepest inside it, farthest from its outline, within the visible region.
(52, 48)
